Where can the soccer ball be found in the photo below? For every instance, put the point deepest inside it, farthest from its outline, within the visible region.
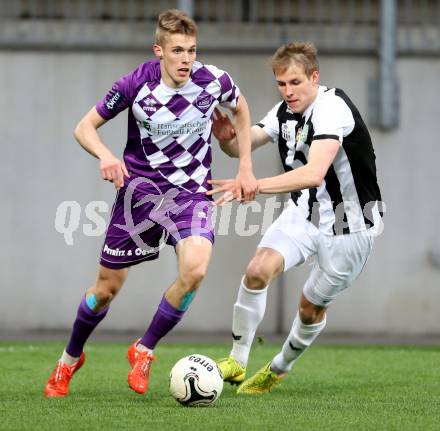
(195, 380)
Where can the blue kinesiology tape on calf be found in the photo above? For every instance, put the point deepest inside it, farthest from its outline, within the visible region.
(91, 301)
(186, 301)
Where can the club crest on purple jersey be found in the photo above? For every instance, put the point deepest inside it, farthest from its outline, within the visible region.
(203, 102)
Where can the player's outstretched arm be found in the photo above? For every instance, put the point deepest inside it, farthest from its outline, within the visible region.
(86, 133)
(321, 156)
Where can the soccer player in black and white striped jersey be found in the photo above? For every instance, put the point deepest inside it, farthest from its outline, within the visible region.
(334, 212)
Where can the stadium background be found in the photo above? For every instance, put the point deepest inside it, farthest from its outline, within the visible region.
(59, 57)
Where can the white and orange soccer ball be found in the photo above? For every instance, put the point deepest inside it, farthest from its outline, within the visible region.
(195, 380)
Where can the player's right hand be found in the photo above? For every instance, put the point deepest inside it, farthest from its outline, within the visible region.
(113, 170)
(222, 126)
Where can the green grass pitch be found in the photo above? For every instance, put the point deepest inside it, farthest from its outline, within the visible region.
(332, 388)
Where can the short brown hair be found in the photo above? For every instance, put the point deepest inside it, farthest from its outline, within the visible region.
(174, 21)
(303, 53)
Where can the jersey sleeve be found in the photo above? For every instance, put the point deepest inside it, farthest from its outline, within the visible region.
(332, 119)
(123, 91)
(117, 98)
(229, 92)
(270, 123)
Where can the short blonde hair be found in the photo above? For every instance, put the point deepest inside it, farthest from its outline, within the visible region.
(174, 21)
(303, 53)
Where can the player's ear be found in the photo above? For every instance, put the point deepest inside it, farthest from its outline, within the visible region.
(315, 77)
(157, 50)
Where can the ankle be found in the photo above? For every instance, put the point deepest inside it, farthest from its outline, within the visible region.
(68, 359)
(277, 371)
(141, 348)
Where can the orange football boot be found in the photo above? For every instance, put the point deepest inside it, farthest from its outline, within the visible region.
(58, 383)
(133, 353)
(139, 375)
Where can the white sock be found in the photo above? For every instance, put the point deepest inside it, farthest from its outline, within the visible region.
(248, 313)
(141, 348)
(67, 359)
(301, 336)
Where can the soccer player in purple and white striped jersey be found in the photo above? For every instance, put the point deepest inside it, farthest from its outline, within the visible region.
(161, 185)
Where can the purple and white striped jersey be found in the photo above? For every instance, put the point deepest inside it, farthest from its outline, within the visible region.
(169, 129)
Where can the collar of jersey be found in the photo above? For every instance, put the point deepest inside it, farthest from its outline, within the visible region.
(308, 111)
(172, 90)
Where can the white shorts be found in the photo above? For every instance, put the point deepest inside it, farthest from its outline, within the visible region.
(339, 259)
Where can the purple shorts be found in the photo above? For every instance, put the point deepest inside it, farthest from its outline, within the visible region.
(145, 219)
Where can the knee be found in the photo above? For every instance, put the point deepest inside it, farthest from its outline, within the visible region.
(108, 285)
(256, 278)
(192, 277)
(310, 314)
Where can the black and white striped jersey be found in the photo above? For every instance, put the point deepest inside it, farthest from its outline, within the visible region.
(349, 198)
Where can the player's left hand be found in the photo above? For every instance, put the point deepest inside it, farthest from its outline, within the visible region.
(246, 185)
(227, 187)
